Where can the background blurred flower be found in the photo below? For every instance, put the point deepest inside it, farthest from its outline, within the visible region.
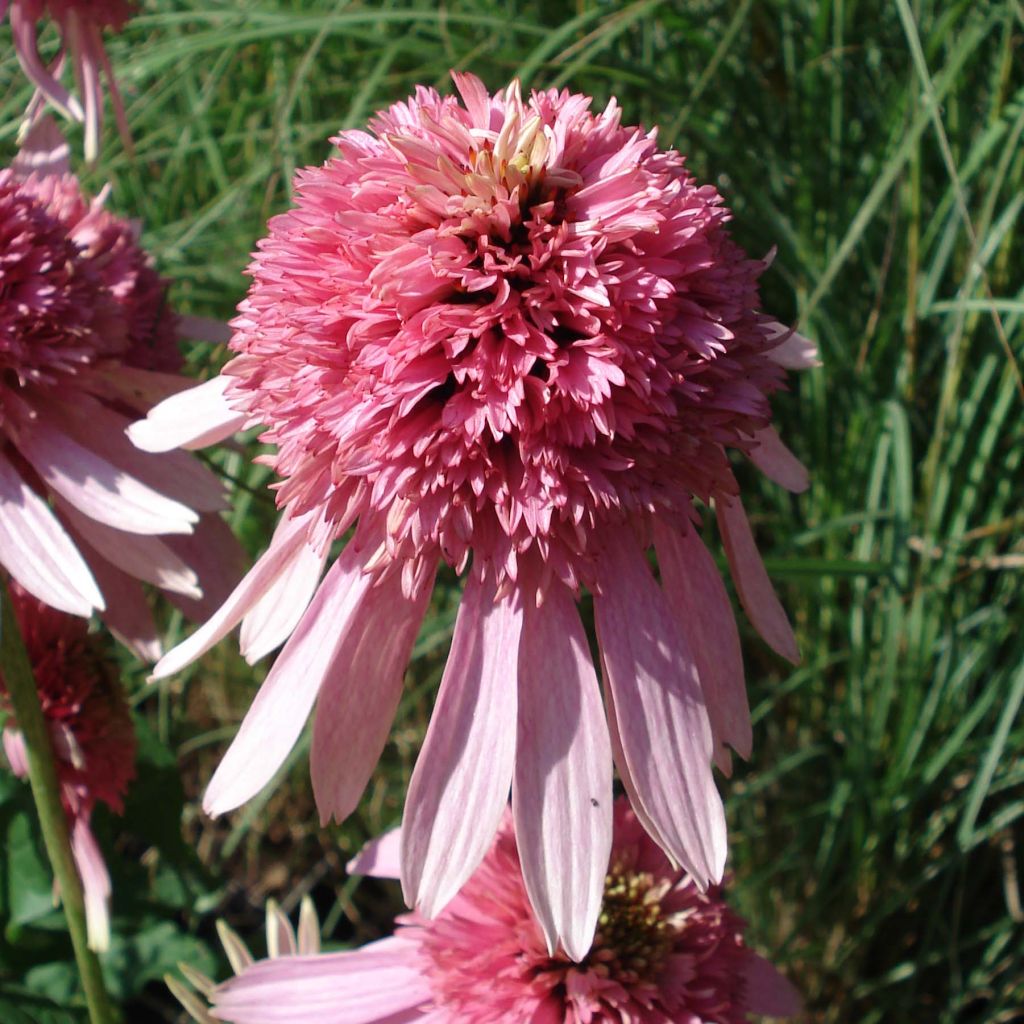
(91, 730)
(514, 333)
(87, 342)
(664, 952)
(81, 24)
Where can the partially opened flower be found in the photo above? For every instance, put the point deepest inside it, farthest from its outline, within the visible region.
(87, 343)
(664, 952)
(516, 336)
(81, 24)
(91, 730)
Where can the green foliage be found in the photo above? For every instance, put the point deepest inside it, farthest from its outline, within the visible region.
(876, 833)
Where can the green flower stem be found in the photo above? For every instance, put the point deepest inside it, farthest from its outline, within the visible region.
(42, 775)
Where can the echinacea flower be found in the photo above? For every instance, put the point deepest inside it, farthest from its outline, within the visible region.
(87, 343)
(665, 953)
(516, 336)
(81, 24)
(91, 729)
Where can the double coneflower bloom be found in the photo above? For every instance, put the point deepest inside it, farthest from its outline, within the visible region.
(515, 336)
(665, 953)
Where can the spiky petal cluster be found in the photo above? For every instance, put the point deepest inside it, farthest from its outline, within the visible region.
(91, 729)
(513, 331)
(86, 343)
(665, 953)
(81, 24)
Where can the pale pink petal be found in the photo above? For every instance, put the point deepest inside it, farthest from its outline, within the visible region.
(44, 151)
(98, 488)
(87, 75)
(379, 858)
(562, 791)
(794, 353)
(143, 557)
(459, 787)
(95, 884)
(278, 713)
(757, 596)
(176, 474)
(661, 718)
(190, 419)
(204, 329)
(286, 546)
(777, 462)
(309, 927)
(361, 690)
(280, 935)
(699, 599)
(365, 986)
(38, 553)
(17, 757)
(127, 614)
(767, 992)
(23, 31)
(274, 616)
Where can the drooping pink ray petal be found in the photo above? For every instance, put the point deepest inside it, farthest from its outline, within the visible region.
(44, 150)
(219, 561)
(794, 353)
(287, 545)
(95, 883)
(36, 550)
(562, 789)
(276, 717)
(661, 718)
(141, 556)
(379, 982)
(116, 99)
(757, 595)
(380, 857)
(98, 488)
(274, 616)
(360, 693)
(82, 43)
(17, 756)
(767, 992)
(699, 599)
(453, 807)
(190, 419)
(23, 30)
(777, 462)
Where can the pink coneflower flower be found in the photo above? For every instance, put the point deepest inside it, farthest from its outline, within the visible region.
(516, 336)
(81, 24)
(87, 342)
(664, 952)
(91, 729)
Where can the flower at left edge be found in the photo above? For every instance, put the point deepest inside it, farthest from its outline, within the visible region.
(81, 26)
(90, 727)
(87, 341)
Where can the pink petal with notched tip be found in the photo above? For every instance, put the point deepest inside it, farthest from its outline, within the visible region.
(190, 419)
(287, 544)
(275, 615)
(661, 718)
(459, 787)
(777, 462)
(360, 692)
(699, 599)
(37, 551)
(757, 596)
(23, 32)
(98, 488)
(562, 789)
(276, 717)
(374, 984)
(380, 857)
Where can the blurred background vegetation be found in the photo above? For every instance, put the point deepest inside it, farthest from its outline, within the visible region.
(876, 833)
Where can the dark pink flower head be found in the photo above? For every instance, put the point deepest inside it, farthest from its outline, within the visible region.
(664, 953)
(513, 335)
(500, 328)
(81, 24)
(91, 729)
(87, 341)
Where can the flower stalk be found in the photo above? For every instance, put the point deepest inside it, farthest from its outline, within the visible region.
(42, 774)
